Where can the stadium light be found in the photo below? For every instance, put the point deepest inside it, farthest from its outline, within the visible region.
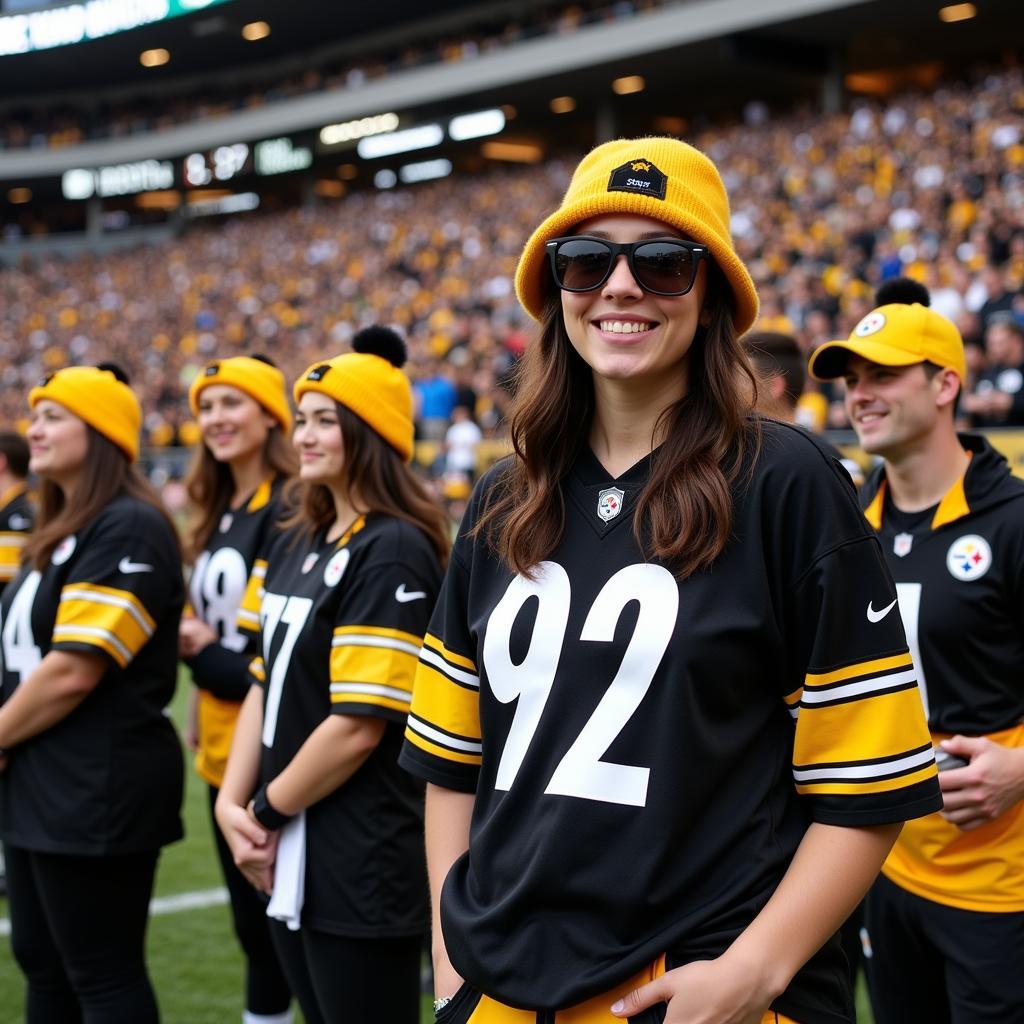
(329, 188)
(255, 30)
(957, 12)
(422, 137)
(349, 131)
(628, 84)
(562, 105)
(385, 179)
(475, 126)
(19, 196)
(154, 58)
(514, 152)
(347, 172)
(428, 170)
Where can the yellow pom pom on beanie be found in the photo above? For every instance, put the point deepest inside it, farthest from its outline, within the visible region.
(655, 177)
(262, 382)
(369, 382)
(95, 395)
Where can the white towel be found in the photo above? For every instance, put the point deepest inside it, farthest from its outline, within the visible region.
(290, 874)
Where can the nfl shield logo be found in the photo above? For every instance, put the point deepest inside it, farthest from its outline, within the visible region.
(901, 544)
(609, 503)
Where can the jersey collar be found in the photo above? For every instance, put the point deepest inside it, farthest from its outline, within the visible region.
(953, 506)
(11, 493)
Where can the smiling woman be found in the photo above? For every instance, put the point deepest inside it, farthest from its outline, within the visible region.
(314, 806)
(664, 763)
(89, 662)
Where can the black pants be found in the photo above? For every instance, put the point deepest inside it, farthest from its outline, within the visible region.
(78, 930)
(351, 981)
(266, 988)
(941, 964)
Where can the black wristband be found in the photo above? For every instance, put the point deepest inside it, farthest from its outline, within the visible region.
(265, 812)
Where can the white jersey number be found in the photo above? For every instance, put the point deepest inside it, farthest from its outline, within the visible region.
(909, 595)
(581, 772)
(21, 652)
(217, 588)
(293, 612)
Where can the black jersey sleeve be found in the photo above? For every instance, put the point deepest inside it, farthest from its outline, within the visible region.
(442, 735)
(378, 631)
(16, 521)
(221, 672)
(862, 753)
(118, 587)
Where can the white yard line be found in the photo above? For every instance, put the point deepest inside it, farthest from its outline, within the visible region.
(166, 904)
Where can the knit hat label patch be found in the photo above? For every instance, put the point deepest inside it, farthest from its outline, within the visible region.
(640, 176)
(318, 372)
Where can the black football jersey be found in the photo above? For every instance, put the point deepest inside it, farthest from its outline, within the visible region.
(959, 572)
(341, 624)
(217, 586)
(647, 753)
(107, 778)
(960, 580)
(17, 518)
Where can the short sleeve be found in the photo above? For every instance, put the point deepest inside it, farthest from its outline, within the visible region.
(862, 753)
(378, 631)
(117, 590)
(442, 735)
(248, 614)
(12, 542)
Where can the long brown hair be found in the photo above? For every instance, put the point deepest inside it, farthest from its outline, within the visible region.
(105, 474)
(210, 485)
(376, 475)
(684, 513)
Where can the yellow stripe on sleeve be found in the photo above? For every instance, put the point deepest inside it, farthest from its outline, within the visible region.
(372, 675)
(257, 670)
(433, 643)
(438, 751)
(112, 619)
(11, 545)
(861, 668)
(443, 704)
(874, 727)
(248, 615)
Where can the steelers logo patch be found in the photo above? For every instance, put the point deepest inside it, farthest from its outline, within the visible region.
(335, 568)
(871, 324)
(64, 550)
(969, 558)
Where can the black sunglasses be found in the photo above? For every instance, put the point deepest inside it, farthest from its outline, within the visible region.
(581, 263)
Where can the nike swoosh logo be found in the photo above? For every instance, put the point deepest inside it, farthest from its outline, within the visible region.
(127, 566)
(402, 595)
(874, 616)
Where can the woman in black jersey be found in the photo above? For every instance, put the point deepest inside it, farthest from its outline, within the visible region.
(667, 751)
(314, 807)
(242, 409)
(91, 780)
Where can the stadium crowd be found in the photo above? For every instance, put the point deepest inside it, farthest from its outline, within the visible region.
(65, 125)
(824, 209)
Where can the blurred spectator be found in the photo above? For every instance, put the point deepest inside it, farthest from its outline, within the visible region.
(997, 399)
(461, 442)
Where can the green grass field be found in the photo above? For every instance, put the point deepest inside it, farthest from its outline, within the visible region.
(193, 957)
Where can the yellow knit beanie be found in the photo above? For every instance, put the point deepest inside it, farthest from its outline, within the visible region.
(96, 395)
(370, 382)
(653, 177)
(261, 381)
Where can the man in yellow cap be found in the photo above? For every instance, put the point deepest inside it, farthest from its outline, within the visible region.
(945, 922)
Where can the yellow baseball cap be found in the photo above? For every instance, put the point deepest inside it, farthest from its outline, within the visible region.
(894, 335)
